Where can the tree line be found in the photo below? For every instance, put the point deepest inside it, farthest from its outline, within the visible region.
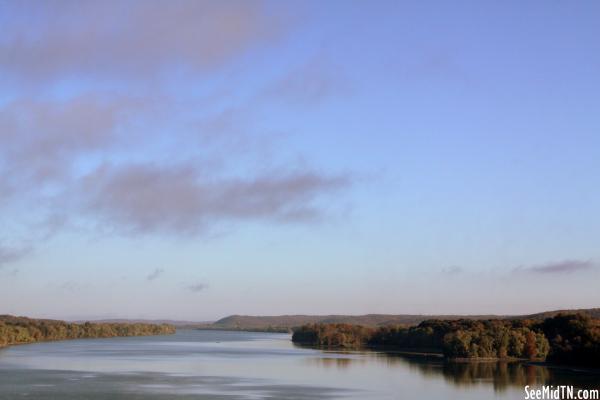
(565, 338)
(20, 330)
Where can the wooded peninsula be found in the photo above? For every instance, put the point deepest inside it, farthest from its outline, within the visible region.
(21, 330)
(572, 339)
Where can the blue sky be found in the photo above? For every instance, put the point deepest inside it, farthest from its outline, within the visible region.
(200, 159)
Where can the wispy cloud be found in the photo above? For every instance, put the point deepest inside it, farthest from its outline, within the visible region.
(310, 83)
(197, 287)
(149, 161)
(41, 138)
(560, 267)
(195, 35)
(148, 198)
(9, 254)
(155, 274)
(452, 270)
(72, 286)
(12, 273)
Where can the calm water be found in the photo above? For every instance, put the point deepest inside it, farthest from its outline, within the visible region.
(240, 365)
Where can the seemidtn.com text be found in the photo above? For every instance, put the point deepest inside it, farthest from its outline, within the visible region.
(562, 392)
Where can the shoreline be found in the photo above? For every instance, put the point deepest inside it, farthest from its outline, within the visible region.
(23, 330)
(5, 346)
(460, 360)
(565, 367)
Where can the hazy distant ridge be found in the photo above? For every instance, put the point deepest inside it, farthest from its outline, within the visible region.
(374, 320)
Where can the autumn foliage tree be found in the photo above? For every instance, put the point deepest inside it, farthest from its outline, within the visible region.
(20, 330)
(572, 338)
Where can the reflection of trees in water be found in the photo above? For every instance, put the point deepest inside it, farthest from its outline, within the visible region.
(502, 375)
(499, 374)
(335, 362)
(336, 359)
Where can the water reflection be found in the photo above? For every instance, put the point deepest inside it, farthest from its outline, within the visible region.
(501, 375)
(498, 374)
(336, 362)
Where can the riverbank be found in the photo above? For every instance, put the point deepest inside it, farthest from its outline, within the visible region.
(22, 330)
(411, 352)
(565, 339)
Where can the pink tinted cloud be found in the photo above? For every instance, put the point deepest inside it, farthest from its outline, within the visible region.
(197, 287)
(310, 83)
(40, 138)
(148, 198)
(559, 267)
(9, 254)
(132, 38)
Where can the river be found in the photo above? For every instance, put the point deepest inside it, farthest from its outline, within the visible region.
(196, 364)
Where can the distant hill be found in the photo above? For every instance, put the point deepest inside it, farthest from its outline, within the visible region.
(592, 312)
(286, 322)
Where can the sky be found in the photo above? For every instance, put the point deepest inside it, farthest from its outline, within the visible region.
(196, 159)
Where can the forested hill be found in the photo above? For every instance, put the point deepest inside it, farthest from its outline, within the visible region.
(286, 322)
(572, 339)
(592, 312)
(19, 330)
